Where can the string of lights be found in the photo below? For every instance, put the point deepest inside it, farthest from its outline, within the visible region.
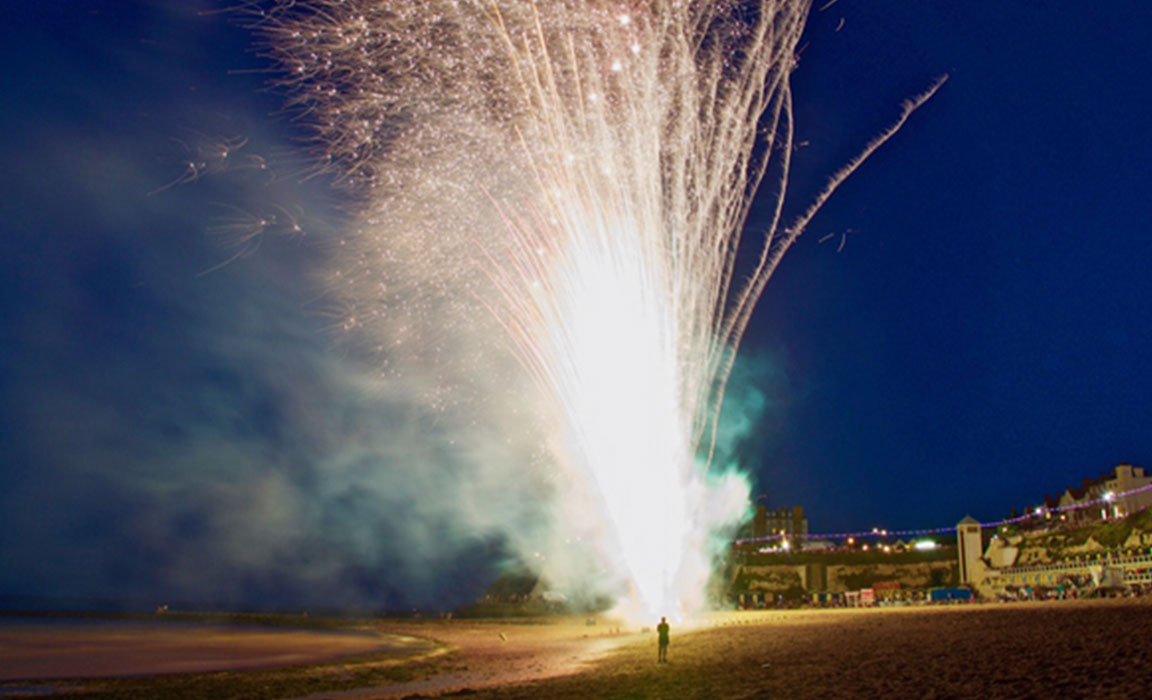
(1039, 512)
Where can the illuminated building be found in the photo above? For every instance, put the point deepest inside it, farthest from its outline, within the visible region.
(1124, 477)
(788, 522)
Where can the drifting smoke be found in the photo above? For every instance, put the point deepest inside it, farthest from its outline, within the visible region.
(174, 430)
(553, 200)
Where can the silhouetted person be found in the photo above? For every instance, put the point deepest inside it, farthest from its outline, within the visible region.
(662, 632)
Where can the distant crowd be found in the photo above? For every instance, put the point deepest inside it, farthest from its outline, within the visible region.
(1073, 587)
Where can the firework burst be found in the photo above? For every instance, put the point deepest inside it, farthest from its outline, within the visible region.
(568, 180)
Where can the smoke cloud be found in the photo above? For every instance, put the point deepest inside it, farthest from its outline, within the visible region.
(182, 418)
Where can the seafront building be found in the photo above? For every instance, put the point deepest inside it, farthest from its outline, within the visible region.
(1069, 546)
(790, 523)
(969, 550)
(1123, 479)
(1008, 564)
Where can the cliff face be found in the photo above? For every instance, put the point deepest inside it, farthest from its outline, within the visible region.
(769, 579)
(1043, 547)
(926, 575)
(787, 578)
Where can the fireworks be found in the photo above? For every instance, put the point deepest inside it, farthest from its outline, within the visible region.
(568, 180)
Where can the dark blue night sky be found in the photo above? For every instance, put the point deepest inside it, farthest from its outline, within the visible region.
(964, 328)
(983, 336)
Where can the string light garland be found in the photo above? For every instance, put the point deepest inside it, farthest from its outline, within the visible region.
(875, 533)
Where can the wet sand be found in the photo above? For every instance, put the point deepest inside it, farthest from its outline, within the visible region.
(105, 649)
(494, 654)
(1066, 649)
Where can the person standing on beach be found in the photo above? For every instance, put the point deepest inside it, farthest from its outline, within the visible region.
(662, 633)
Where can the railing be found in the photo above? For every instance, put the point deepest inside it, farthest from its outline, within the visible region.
(1137, 568)
(1106, 558)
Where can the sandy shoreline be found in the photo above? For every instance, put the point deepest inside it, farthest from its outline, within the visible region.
(1082, 649)
(1061, 649)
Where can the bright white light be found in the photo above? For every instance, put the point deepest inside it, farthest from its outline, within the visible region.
(925, 545)
(1109, 496)
(618, 384)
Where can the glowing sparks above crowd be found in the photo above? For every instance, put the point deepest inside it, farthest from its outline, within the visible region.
(576, 174)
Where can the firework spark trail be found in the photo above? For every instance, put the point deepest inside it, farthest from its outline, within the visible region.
(575, 174)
